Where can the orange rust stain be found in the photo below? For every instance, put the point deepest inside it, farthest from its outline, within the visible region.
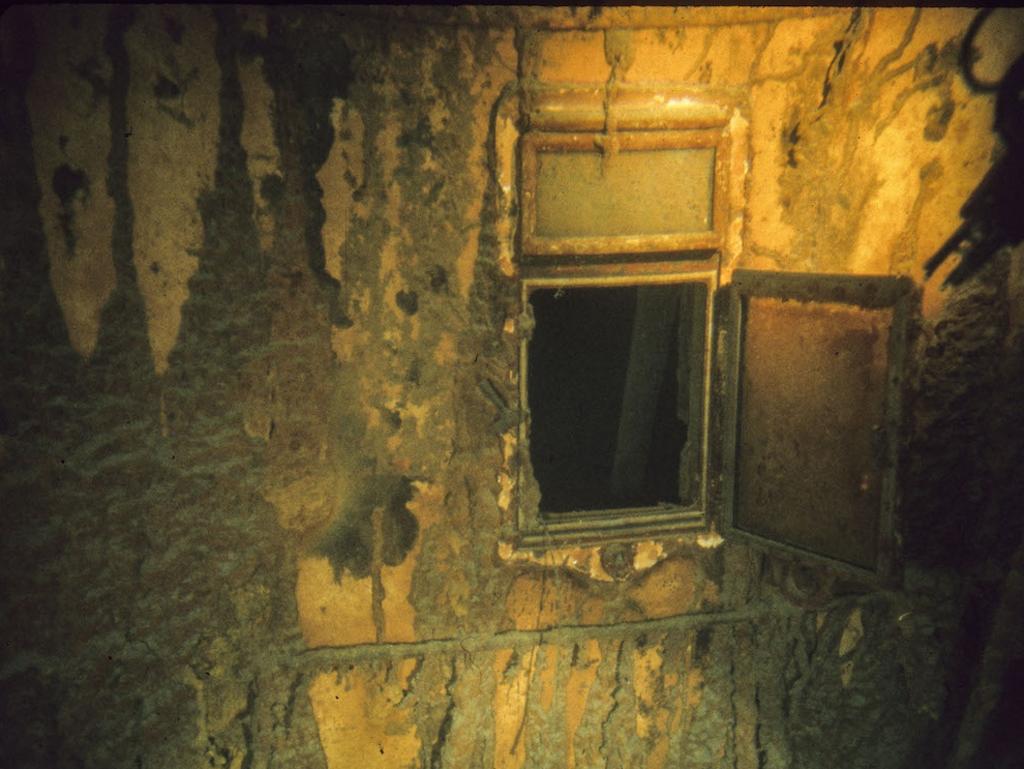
(333, 613)
(784, 51)
(669, 589)
(84, 277)
(539, 601)
(399, 614)
(340, 175)
(730, 56)
(547, 676)
(393, 445)
(360, 720)
(646, 674)
(764, 208)
(666, 55)
(167, 226)
(510, 697)
(445, 353)
(573, 57)
(577, 690)
(658, 754)
(652, 716)
(592, 611)
(694, 687)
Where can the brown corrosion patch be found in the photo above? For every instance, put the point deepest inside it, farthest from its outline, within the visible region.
(811, 406)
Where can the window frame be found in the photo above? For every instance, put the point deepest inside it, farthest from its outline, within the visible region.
(536, 528)
(576, 119)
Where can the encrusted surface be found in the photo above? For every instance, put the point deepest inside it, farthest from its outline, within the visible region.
(256, 266)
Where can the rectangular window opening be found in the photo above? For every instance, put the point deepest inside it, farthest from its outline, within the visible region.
(615, 390)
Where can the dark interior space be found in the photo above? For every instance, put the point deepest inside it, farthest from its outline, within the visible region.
(595, 353)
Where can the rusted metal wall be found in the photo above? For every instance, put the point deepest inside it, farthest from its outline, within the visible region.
(253, 279)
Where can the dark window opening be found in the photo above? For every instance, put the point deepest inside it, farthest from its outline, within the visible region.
(614, 385)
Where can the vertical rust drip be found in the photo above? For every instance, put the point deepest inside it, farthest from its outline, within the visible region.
(376, 564)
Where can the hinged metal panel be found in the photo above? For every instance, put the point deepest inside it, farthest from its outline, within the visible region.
(812, 368)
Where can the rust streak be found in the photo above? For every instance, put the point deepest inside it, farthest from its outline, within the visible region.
(376, 564)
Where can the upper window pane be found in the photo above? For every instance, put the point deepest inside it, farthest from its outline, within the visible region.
(634, 192)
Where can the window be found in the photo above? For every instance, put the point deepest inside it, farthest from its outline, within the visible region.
(614, 388)
(614, 380)
(618, 262)
(655, 402)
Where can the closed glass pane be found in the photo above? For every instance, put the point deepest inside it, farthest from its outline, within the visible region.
(634, 192)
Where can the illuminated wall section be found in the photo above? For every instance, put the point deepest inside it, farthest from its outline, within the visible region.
(260, 332)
